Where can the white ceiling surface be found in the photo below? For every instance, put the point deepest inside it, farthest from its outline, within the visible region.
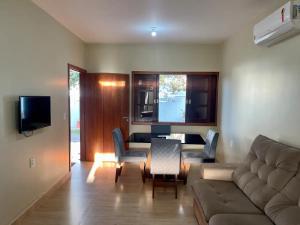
(130, 21)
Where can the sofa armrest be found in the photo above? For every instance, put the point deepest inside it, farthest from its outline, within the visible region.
(217, 171)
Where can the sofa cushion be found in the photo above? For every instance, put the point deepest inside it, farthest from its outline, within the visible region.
(239, 219)
(268, 168)
(284, 208)
(217, 197)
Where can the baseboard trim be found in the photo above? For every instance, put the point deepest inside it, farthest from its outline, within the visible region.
(36, 203)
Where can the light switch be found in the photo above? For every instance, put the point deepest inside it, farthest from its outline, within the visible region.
(32, 162)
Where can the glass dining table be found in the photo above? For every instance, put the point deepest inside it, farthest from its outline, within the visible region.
(186, 139)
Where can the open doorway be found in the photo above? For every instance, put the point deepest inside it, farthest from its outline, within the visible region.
(74, 113)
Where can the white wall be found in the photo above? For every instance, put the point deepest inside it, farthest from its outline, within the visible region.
(154, 57)
(34, 52)
(260, 94)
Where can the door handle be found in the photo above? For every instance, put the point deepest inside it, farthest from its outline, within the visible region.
(125, 118)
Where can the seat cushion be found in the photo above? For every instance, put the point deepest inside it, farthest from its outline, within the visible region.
(222, 197)
(240, 219)
(134, 156)
(284, 208)
(193, 157)
(268, 168)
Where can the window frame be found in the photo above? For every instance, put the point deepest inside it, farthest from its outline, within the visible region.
(137, 73)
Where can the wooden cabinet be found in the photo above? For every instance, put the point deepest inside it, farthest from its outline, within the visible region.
(145, 98)
(200, 98)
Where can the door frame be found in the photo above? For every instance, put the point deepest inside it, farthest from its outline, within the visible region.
(82, 73)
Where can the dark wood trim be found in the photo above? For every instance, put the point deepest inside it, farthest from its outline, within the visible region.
(217, 98)
(82, 72)
(208, 73)
(82, 120)
(96, 74)
(70, 66)
(175, 72)
(198, 210)
(174, 124)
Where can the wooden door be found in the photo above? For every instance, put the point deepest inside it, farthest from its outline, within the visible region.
(115, 100)
(105, 106)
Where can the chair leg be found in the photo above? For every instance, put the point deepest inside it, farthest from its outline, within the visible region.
(121, 170)
(143, 173)
(153, 186)
(118, 171)
(117, 174)
(185, 174)
(176, 189)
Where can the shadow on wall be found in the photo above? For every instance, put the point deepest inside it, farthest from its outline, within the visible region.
(10, 118)
(232, 151)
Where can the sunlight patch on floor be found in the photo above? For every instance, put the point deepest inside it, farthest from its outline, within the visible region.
(101, 160)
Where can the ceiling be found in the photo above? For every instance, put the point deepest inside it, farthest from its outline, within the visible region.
(131, 21)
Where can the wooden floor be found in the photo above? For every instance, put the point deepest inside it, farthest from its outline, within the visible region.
(100, 201)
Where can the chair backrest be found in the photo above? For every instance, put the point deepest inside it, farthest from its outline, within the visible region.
(211, 142)
(118, 143)
(165, 156)
(160, 129)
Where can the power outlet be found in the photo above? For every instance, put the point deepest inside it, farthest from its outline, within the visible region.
(65, 116)
(32, 162)
(231, 143)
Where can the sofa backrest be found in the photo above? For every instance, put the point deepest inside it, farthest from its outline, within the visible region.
(284, 208)
(269, 166)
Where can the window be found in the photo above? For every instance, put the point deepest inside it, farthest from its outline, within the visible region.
(174, 98)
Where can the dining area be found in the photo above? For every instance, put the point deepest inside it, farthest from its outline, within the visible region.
(152, 118)
(164, 157)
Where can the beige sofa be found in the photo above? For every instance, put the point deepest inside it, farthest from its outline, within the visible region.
(264, 190)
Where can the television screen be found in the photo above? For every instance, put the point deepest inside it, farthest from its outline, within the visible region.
(34, 112)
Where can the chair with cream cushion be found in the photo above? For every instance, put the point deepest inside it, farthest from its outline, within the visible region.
(126, 156)
(208, 154)
(165, 162)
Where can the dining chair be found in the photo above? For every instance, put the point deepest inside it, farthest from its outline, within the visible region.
(123, 156)
(165, 162)
(160, 129)
(208, 155)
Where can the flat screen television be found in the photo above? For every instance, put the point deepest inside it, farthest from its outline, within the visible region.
(34, 112)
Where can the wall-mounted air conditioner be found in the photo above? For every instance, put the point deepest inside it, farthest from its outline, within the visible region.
(280, 25)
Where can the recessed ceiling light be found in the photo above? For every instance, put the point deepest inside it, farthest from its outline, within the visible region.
(153, 32)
